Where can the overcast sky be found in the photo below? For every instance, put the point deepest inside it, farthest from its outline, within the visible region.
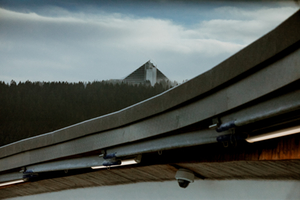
(99, 40)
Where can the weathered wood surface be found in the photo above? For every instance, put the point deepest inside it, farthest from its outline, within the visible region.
(287, 169)
(102, 177)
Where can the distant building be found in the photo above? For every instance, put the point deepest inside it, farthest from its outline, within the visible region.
(147, 73)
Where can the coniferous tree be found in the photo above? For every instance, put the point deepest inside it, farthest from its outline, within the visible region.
(32, 108)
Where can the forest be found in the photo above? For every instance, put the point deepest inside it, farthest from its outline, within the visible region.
(32, 108)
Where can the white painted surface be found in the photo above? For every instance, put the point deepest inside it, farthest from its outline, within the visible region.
(151, 73)
(235, 189)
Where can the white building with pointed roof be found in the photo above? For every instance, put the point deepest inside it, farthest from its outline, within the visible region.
(147, 72)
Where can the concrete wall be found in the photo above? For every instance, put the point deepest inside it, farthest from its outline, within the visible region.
(200, 189)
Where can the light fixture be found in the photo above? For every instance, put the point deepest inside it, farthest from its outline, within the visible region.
(275, 134)
(11, 182)
(129, 162)
(123, 163)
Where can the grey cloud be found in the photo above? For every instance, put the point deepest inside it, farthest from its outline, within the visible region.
(245, 26)
(84, 47)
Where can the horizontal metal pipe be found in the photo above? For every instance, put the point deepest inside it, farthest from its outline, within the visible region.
(206, 136)
(76, 163)
(188, 139)
(11, 177)
(271, 108)
(226, 126)
(284, 108)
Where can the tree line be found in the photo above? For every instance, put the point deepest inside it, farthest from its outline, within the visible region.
(32, 108)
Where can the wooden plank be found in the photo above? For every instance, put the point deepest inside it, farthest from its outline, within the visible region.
(286, 148)
(284, 169)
